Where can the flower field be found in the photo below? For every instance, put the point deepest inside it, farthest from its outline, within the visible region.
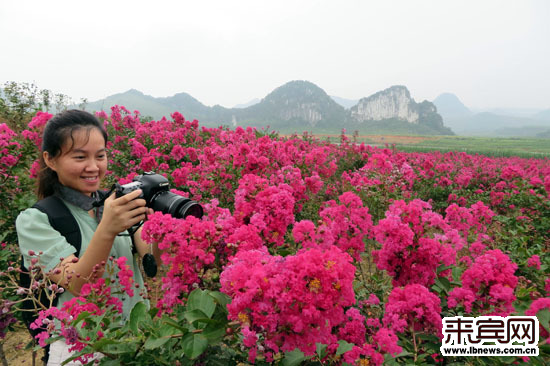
(309, 252)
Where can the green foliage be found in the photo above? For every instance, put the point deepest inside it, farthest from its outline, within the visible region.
(149, 339)
(20, 101)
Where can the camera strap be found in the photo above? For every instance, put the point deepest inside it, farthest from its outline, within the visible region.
(101, 201)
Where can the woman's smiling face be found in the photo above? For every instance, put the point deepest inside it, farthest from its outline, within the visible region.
(82, 163)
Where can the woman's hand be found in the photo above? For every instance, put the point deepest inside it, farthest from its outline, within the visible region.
(121, 213)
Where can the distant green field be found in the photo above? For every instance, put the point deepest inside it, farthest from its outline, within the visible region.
(522, 147)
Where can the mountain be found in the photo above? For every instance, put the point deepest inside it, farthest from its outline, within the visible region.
(450, 107)
(543, 115)
(346, 103)
(295, 107)
(296, 104)
(248, 104)
(513, 112)
(133, 100)
(396, 105)
(487, 123)
(503, 122)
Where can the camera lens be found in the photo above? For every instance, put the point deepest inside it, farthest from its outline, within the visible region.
(175, 205)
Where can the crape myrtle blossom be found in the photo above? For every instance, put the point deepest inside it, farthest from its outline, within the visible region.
(384, 340)
(294, 301)
(487, 286)
(189, 245)
(415, 242)
(413, 308)
(536, 306)
(36, 128)
(349, 222)
(534, 261)
(8, 149)
(269, 208)
(95, 299)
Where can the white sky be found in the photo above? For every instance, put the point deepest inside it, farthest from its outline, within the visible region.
(490, 53)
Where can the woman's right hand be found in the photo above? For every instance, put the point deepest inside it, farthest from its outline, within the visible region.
(122, 213)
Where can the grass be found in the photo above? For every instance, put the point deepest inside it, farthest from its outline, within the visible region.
(497, 147)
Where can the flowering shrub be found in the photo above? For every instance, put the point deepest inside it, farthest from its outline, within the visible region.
(292, 302)
(490, 283)
(413, 308)
(415, 242)
(308, 252)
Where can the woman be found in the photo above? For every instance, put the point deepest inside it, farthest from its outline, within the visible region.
(73, 164)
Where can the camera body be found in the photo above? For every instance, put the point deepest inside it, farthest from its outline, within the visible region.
(156, 192)
(150, 183)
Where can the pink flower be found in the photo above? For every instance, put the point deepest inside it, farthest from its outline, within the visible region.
(536, 306)
(411, 250)
(491, 281)
(413, 306)
(349, 222)
(295, 301)
(387, 341)
(270, 208)
(189, 247)
(534, 261)
(125, 276)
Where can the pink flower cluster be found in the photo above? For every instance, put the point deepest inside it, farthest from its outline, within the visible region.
(469, 221)
(487, 286)
(125, 276)
(349, 222)
(269, 208)
(536, 306)
(36, 128)
(413, 308)
(415, 241)
(354, 331)
(534, 261)
(95, 299)
(8, 147)
(292, 302)
(346, 225)
(189, 246)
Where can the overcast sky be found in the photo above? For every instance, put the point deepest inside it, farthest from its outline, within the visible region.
(490, 53)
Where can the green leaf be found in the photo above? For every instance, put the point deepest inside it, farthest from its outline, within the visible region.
(321, 350)
(544, 319)
(153, 312)
(152, 343)
(443, 283)
(214, 332)
(221, 298)
(123, 347)
(194, 345)
(100, 344)
(201, 300)
(110, 362)
(195, 315)
(457, 273)
(83, 315)
(176, 325)
(343, 347)
(165, 332)
(138, 313)
(442, 268)
(404, 354)
(293, 358)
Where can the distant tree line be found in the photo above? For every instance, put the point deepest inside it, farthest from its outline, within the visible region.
(20, 101)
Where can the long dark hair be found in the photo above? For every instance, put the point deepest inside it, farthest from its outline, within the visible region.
(57, 131)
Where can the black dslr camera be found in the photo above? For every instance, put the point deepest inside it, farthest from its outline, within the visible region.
(156, 192)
